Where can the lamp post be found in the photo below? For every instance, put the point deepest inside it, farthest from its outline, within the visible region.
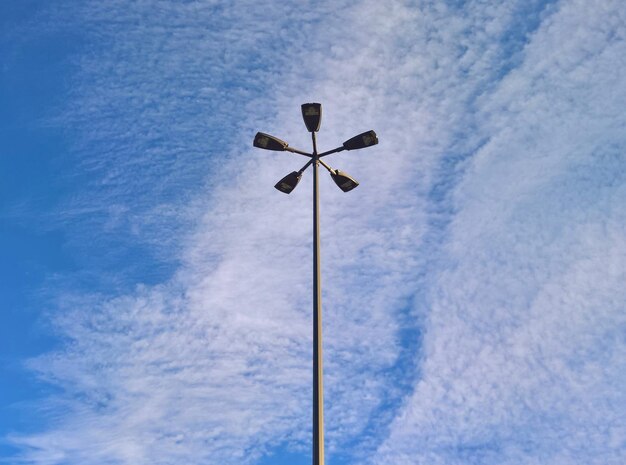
(312, 115)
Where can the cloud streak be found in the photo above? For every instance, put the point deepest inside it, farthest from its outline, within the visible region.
(524, 349)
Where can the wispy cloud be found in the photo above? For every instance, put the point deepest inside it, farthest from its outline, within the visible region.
(473, 283)
(524, 350)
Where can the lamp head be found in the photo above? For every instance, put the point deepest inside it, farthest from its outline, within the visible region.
(345, 182)
(267, 142)
(289, 182)
(361, 141)
(312, 115)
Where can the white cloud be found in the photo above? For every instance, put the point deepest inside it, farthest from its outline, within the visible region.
(524, 350)
(214, 362)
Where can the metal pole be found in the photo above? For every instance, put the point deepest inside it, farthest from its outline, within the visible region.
(318, 389)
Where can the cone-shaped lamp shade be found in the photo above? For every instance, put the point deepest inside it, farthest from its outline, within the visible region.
(267, 142)
(312, 115)
(345, 182)
(361, 141)
(289, 182)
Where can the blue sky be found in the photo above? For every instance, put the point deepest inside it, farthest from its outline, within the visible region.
(156, 289)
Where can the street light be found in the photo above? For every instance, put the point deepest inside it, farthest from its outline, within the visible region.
(361, 141)
(289, 182)
(345, 182)
(267, 142)
(312, 116)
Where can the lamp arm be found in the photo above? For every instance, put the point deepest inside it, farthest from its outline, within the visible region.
(338, 149)
(301, 170)
(330, 170)
(299, 152)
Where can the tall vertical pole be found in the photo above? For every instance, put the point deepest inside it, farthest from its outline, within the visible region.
(318, 389)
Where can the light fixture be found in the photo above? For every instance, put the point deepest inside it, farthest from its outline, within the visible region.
(343, 180)
(289, 182)
(267, 142)
(361, 141)
(312, 115)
